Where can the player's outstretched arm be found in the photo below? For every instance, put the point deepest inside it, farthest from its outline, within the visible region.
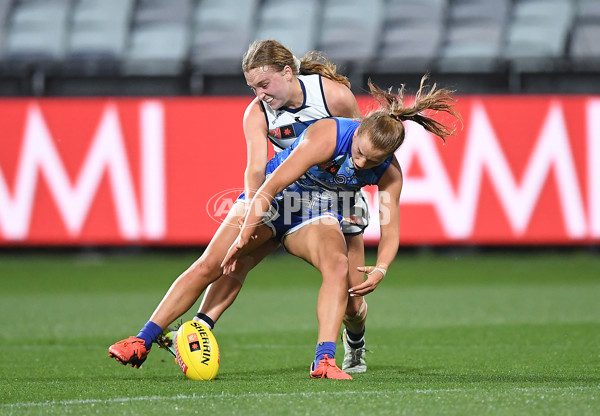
(317, 147)
(389, 188)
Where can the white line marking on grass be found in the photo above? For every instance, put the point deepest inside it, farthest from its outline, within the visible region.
(269, 395)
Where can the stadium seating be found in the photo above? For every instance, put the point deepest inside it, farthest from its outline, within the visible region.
(350, 31)
(160, 37)
(584, 48)
(222, 31)
(538, 33)
(37, 31)
(475, 36)
(5, 10)
(278, 19)
(98, 34)
(200, 39)
(412, 35)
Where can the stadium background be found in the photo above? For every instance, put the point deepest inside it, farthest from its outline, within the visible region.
(117, 113)
(120, 127)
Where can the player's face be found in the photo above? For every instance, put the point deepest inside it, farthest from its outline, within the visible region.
(270, 86)
(364, 155)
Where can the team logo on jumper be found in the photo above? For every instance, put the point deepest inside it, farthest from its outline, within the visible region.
(193, 342)
(330, 167)
(283, 132)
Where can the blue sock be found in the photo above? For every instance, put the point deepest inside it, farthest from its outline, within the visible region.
(149, 333)
(324, 348)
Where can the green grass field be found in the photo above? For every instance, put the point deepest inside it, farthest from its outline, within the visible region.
(452, 333)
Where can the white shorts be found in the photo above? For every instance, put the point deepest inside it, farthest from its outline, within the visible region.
(353, 220)
(357, 219)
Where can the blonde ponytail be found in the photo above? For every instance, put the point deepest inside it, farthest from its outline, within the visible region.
(386, 126)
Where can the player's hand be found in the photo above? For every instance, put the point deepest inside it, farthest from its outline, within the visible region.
(242, 219)
(229, 262)
(374, 276)
(235, 251)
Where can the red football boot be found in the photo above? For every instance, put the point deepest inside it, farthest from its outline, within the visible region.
(130, 351)
(328, 369)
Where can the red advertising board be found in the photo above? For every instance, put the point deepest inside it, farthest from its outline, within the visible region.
(522, 170)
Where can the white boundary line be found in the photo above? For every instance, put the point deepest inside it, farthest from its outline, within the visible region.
(267, 395)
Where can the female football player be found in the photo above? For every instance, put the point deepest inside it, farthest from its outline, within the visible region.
(331, 160)
(291, 94)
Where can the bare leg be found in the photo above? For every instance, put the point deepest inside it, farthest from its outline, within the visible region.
(356, 311)
(321, 243)
(222, 293)
(188, 287)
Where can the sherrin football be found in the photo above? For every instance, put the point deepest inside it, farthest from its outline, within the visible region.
(197, 351)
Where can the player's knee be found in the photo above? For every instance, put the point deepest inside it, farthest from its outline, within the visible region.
(335, 266)
(206, 269)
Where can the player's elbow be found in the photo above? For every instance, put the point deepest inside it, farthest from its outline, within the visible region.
(253, 172)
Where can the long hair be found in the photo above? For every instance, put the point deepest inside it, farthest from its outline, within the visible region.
(385, 126)
(273, 54)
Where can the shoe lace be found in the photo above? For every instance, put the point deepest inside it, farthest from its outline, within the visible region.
(165, 342)
(138, 348)
(137, 351)
(357, 354)
(175, 327)
(326, 365)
